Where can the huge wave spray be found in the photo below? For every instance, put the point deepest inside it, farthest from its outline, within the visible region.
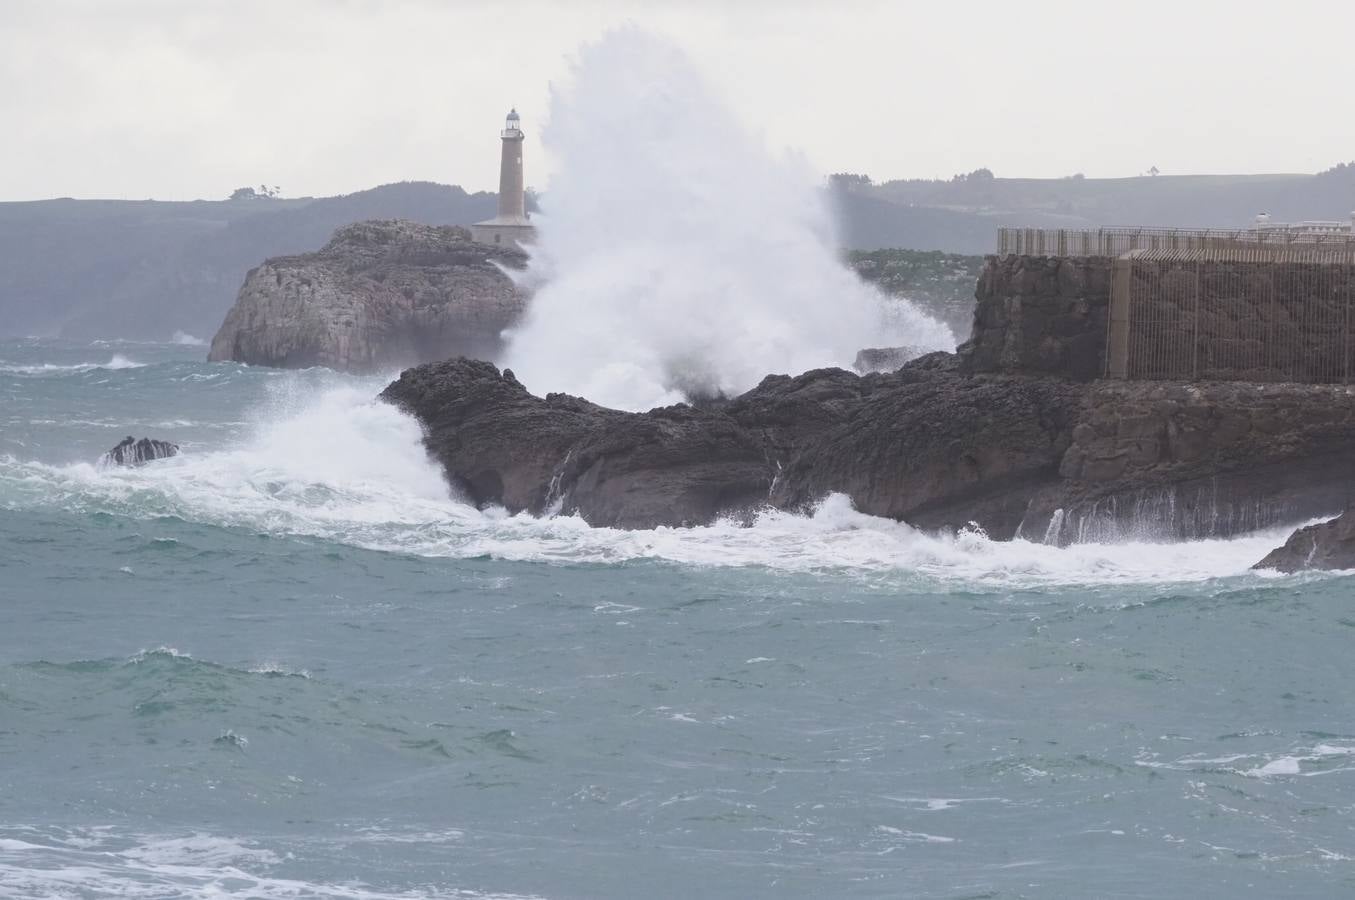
(675, 256)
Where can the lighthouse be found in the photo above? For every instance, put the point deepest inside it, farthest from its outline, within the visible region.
(511, 226)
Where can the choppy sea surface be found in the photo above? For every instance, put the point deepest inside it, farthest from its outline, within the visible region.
(289, 664)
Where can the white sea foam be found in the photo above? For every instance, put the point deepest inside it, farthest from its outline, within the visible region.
(280, 670)
(1285, 765)
(161, 652)
(920, 836)
(94, 862)
(1320, 759)
(185, 339)
(118, 361)
(340, 466)
(675, 254)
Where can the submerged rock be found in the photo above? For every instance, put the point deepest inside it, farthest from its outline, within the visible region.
(133, 452)
(378, 295)
(1327, 545)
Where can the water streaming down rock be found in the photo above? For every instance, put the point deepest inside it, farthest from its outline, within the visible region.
(133, 452)
(1201, 510)
(675, 256)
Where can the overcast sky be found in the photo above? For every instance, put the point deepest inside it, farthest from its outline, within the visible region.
(178, 99)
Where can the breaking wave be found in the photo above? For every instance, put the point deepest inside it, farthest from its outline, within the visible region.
(676, 256)
(118, 361)
(342, 467)
(63, 862)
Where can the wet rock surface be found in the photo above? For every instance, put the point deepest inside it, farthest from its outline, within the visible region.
(501, 445)
(1043, 458)
(1327, 545)
(133, 452)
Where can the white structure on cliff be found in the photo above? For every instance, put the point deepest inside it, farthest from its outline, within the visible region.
(511, 226)
(1312, 230)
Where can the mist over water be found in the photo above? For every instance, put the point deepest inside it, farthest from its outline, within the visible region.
(676, 256)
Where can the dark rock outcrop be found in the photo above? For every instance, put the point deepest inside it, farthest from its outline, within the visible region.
(1207, 460)
(133, 452)
(1041, 315)
(378, 295)
(1045, 458)
(1327, 545)
(501, 445)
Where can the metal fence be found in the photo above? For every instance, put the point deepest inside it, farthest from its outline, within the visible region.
(1119, 241)
(1269, 313)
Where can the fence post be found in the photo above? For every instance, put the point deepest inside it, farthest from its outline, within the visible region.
(1117, 344)
(1195, 329)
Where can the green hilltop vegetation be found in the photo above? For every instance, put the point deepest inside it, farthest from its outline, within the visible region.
(941, 283)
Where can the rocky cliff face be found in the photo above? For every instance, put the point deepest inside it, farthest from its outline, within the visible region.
(1212, 459)
(379, 295)
(1041, 315)
(1047, 459)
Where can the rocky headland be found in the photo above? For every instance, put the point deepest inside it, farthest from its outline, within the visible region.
(1012, 433)
(1040, 458)
(379, 295)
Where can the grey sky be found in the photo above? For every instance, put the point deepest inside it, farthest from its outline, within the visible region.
(177, 99)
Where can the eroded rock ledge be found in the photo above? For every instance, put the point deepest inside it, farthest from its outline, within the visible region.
(1043, 458)
(1327, 545)
(379, 295)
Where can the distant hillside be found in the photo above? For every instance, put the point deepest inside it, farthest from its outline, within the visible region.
(145, 269)
(1211, 201)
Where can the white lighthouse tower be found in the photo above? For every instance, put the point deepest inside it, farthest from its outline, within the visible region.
(511, 226)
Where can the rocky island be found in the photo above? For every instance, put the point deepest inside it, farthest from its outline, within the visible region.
(1011, 433)
(379, 295)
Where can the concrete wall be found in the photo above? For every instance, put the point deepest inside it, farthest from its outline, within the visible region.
(1040, 315)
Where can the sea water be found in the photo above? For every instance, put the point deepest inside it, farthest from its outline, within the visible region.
(291, 663)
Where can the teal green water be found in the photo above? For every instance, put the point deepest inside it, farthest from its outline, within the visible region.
(289, 664)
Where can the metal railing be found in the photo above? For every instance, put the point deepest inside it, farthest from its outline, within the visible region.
(1119, 241)
(1234, 314)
